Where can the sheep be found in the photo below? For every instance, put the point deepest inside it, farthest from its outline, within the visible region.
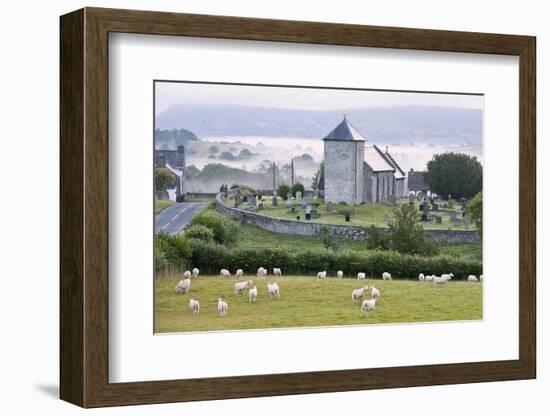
(421, 277)
(183, 286)
(361, 276)
(430, 278)
(277, 272)
(367, 306)
(386, 276)
(240, 286)
(187, 274)
(252, 294)
(239, 273)
(340, 274)
(225, 273)
(273, 290)
(195, 306)
(321, 275)
(481, 278)
(443, 279)
(261, 272)
(375, 293)
(472, 279)
(359, 293)
(195, 272)
(222, 307)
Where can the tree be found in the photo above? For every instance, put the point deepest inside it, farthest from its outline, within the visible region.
(297, 187)
(226, 156)
(283, 190)
(164, 179)
(213, 149)
(406, 235)
(475, 210)
(317, 175)
(455, 174)
(331, 242)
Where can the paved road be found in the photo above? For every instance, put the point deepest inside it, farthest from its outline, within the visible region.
(174, 218)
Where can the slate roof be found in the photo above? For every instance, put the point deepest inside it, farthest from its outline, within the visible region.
(399, 173)
(344, 132)
(376, 159)
(416, 181)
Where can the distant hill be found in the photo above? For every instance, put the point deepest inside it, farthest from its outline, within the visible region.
(384, 124)
(173, 137)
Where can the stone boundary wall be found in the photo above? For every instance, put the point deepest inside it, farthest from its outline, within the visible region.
(348, 232)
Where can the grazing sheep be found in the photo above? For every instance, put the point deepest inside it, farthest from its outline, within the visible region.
(225, 273)
(187, 274)
(430, 278)
(277, 272)
(361, 276)
(239, 273)
(240, 286)
(261, 272)
(375, 293)
(359, 293)
(367, 306)
(183, 286)
(273, 290)
(222, 307)
(321, 275)
(421, 277)
(442, 280)
(252, 294)
(386, 276)
(340, 274)
(195, 306)
(472, 279)
(195, 272)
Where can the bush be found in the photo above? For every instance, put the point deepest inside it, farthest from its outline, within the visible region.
(297, 187)
(199, 232)
(378, 238)
(406, 235)
(283, 190)
(224, 228)
(170, 249)
(475, 210)
(329, 241)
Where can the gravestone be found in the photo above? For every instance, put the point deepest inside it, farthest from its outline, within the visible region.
(435, 207)
(348, 218)
(288, 204)
(315, 214)
(386, 218)
(293, 209)
(438, 220)
(305, 202)
(236, 203)
(463, 202)
(288, 196)
(275, 201)
(252, 201)
(330, 208)
(456, 223)
(308, 213)
(453, 215)
(298, 195)
(411, 199)
(425, 216)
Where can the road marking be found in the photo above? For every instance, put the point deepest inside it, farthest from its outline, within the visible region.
(175, 216)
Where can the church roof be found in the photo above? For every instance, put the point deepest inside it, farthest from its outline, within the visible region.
(416, 181)
(344, 132)
(376, 159)
(399, 173)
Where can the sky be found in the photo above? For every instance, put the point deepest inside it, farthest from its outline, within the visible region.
(168, 93)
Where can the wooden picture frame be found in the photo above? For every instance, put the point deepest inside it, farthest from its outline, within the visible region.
(84, 207)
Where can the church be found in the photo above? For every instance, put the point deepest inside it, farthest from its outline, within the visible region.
(356, 172)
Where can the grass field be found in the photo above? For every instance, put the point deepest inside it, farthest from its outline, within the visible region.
(162, 204)
(306, 302)
(363, 215)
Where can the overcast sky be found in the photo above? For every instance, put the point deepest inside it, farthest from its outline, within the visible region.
(168, 93)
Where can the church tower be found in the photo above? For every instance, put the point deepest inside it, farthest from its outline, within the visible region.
(344, 157)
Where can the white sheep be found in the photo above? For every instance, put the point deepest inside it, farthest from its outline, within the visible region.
(361, 276)
(321, 275)
(240, 286)
(222, 307)
(359, 293)
(421, 277)
(367, 306)
(252, 294)
(273, 290)
(183, 286)
(430, 278)
(187, 274)
(472, 279)
(195, 272)
(195, 306)
(386, 276)
(340, 274)
(261, 272)
(443, 279)
(375, 293)
(277, 271)
(239, 273)
(225, 273)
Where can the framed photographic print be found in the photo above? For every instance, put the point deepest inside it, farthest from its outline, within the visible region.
(342, 207)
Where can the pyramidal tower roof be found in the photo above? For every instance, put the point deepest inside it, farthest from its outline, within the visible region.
(344, 132)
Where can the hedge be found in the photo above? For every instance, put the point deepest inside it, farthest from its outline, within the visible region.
(210, 258)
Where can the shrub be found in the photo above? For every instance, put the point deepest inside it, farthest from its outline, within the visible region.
(224, 228)
(377, 238)
(329, 241)
(406, 235)
(297, 187)
(475, 210)
(199, 232)
(283, 191)
(175, 250)
(164, 178)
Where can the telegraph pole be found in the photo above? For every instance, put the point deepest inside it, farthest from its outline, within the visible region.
(274, 190)
(292, 172)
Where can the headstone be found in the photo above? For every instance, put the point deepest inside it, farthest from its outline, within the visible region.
(386, 218)
(275, 201)
(252, 201)
(425, 216)
(411, 199)
(308, 213)
(293, 209)
(463, 202)
(315, 214)
(456, 223)
(288, 196)
(438, 220)
(348, 218)
(453, 215)
(435, 207)
(330, 208)
(298, 195)
(305, 202)
(288, 204)
(236, 203)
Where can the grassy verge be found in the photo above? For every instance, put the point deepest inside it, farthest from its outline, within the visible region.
(162, 204)
(306, 302)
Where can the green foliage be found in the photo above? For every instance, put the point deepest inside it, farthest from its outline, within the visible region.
(170, 249)
(330, 242)
(199, 232)
(226, 156)
(297, 187)
(213, 149)
(173, 138)
(317, 175)
(406, 235)
(378, 238)
(283, 190)
(457, 174)
(224, 229)
(164, 179)
(474, 209)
